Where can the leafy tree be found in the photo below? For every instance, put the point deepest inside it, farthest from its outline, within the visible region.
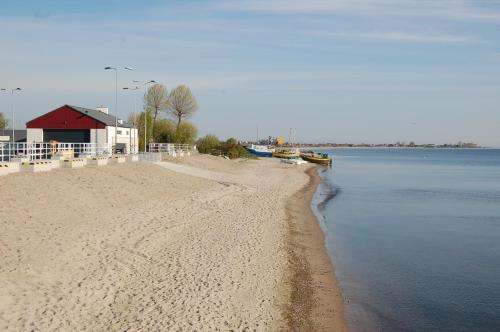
(149, 133)
(185, 133)
(3, 121)
(182, 103)
(164, 131)
(156, 100)
(208, 144)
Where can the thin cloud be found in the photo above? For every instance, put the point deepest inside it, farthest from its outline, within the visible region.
(396, 36)
(473, 10)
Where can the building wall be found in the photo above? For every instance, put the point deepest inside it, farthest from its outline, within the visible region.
(34, 135)
(98, 136)
(135, 140)
(128, 136)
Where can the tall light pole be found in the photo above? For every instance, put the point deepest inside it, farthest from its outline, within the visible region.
(135, 102)
(116, 99)
(13, 126)
(145, 114)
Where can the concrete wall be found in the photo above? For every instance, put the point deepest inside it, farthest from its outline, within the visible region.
(135, 140)
(34, 135)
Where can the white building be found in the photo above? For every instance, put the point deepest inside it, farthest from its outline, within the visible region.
(72, 124)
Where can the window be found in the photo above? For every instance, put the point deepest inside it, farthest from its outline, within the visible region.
(119, 132)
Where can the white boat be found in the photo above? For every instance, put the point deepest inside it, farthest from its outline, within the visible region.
(261, 150)
(294, 161)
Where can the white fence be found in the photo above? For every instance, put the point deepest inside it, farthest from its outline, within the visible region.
(169, 148)
(34, 151)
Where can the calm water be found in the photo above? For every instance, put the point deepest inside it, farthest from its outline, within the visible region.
(415, 237)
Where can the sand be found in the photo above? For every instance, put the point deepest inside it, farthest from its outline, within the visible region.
(204, 244)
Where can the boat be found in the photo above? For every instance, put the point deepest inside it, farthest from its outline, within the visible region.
(287, 153)
(293, 161)
(317, 158)
(260, 150)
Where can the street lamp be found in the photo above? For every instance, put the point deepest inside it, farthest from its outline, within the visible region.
(116, 99)
(13, 132)
(135, 102)
(145, 114)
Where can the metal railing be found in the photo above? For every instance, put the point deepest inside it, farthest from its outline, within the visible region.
(169, 148)
(35, 151)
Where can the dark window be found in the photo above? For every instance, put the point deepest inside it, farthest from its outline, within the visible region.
(67, 135)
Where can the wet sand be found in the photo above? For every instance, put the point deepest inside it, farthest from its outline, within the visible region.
(316, 299)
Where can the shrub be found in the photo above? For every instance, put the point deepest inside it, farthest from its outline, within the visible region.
(186, 133)
(164, 131)
(140, 126)
(208, 144)
(231, 148)
(238, 151)
(231, 143)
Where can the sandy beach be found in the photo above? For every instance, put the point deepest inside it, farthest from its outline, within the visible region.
(198, 244)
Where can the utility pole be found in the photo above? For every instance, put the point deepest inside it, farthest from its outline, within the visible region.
(13, 121)
(116, 99)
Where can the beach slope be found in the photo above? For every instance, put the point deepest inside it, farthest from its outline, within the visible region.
(202, 244)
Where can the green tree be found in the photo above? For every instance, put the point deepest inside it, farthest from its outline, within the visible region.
(156, 100)
(182, 103)
(164, 131)
(186, 133)
(208, 144)
(149, 133)
(3, 121)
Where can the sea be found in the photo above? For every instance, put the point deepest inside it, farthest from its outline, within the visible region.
(414, 235)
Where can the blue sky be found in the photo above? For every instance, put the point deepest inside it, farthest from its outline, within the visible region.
(339, 71)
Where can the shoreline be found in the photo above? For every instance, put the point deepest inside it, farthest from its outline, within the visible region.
(316, 300)
(390, 147)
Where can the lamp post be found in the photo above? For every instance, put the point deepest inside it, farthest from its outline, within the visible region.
(145, 114)
(135, 102)
(116, 99)
(13, 126)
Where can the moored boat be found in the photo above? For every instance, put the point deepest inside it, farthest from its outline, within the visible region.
(317, 158)
(293, 161)
(260, 150)
(286, 153)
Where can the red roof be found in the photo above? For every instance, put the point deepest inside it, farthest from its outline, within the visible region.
(66, 117)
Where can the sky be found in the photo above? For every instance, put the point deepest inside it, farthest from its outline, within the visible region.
(358, 71)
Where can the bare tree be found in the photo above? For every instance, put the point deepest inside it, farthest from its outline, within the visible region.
(182, 103)
(156, 100)
(133, 119)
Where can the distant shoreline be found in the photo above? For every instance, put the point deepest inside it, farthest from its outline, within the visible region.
(390, 147)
